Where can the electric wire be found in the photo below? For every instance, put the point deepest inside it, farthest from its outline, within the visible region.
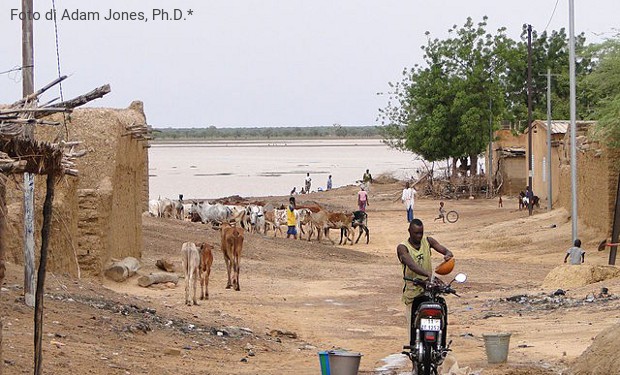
(552, 14)
(64, 115)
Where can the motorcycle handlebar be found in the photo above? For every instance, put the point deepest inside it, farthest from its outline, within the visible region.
(434, 286)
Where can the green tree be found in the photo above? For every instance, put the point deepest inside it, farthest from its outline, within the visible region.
(441, 110)
(604, 86)
(339, 130)
(549, 51)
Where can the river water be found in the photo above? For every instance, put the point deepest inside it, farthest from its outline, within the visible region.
(262, 168)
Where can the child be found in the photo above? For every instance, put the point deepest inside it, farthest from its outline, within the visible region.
(442, 213)
(291, 220)
(500, 203)
(576, 253)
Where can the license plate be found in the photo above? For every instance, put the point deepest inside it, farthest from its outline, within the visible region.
(430, 324)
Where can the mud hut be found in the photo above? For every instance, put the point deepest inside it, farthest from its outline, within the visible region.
(96, 216)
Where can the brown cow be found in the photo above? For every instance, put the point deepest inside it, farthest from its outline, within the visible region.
(232, 244)
(323, 221)
(206, 260)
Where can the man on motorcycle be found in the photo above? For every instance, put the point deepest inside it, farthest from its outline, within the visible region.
(415, 255)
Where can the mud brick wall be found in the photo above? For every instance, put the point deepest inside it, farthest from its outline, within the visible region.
(597, 182)
(97, 216)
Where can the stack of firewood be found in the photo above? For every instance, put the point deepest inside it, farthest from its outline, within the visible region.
(140, 132)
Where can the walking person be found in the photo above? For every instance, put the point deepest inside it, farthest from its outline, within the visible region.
(329, 182)
(366, 180)
(576, 253)
(291, 220)
(308, 183)
(408, 200)
(362, 199)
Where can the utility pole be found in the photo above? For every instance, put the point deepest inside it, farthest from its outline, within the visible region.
(549, 139)
(490, 171)
(27, 89)
(530, 173)
(548, 164)
(573, 116)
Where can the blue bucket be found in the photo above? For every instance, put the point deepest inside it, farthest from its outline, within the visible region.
(324, 360)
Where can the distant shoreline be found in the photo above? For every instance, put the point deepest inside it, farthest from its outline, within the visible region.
(301, 142)
(257, 140)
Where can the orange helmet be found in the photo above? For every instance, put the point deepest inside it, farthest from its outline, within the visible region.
(445, 267)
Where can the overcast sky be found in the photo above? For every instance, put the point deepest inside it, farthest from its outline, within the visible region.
(245, 63)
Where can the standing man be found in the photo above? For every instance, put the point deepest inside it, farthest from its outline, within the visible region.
(367, 179)
(415, 256)
(362, 199)
(291, 220)
(408, 200)
(576, 253)
(308, 183)
(329, 182)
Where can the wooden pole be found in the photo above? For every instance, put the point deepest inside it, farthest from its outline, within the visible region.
(615, 233)
(530, 171)
(2, 252)
(27, 89)
(38, 309)
(549, 174)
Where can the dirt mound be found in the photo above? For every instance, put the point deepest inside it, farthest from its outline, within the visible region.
(567, 276)
(385, 178)
(601, 357)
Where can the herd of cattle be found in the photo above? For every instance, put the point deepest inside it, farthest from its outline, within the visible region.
(234, 220)
(257, 218)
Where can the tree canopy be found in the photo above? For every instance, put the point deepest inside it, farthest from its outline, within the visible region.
(603, 84)
(471, 81)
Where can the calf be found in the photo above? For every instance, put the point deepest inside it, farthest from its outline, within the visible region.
(232, 244)
(191, 269)
(360, 219)
(342, 220)
(206, 260)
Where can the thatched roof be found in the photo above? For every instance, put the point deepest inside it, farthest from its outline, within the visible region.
(19, 153)
(23, 155)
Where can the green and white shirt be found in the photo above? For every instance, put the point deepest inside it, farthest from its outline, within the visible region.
(423, 259)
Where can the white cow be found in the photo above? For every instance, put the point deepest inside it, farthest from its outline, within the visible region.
(257, 219)
(191, 269)
(154, 207)
(161, 207)
(212, 212)
(277, 217)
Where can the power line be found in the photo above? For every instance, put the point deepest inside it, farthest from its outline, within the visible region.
(64, 115)
(552, 14)
(15, 69)
(57, 47)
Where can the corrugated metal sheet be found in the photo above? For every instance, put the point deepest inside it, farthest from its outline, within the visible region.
(559, 127)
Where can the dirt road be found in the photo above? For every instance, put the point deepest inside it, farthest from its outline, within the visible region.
(299, 297)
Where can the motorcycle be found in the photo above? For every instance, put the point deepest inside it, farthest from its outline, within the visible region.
(429, 326)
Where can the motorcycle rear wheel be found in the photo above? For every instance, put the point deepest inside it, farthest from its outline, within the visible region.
(426, 367)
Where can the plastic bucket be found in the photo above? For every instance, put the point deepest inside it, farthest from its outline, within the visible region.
(496, 346)
(344, 363)
(324, 360)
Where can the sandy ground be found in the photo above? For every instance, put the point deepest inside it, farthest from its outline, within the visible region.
(299, 297)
